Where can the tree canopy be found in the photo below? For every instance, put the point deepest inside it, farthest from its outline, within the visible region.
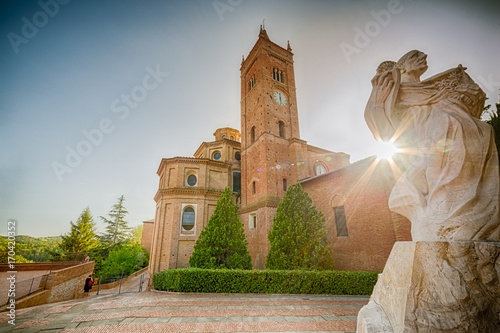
(222, 244)
(125, 259)
(298, 236)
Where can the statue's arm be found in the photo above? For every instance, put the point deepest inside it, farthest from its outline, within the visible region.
(379, 110)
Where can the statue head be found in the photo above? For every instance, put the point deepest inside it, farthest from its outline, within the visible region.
(412, 65)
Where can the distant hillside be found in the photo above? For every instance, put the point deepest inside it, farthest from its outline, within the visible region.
(35, 249)
(25, 239)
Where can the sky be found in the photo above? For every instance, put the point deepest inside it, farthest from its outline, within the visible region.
(94, 94)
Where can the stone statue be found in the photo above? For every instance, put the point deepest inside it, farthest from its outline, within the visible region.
(447, 279)
(450, 188)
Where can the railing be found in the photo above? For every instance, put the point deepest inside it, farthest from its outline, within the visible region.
(22, 288)
(29, 286)
(116, 282)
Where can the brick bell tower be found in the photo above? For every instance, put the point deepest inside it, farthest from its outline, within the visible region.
(272, 152)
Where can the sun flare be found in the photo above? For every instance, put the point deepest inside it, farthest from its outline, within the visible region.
(386, 150)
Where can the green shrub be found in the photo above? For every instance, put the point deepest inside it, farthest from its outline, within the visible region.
(265, 281)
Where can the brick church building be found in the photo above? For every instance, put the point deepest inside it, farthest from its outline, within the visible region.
(259, 163)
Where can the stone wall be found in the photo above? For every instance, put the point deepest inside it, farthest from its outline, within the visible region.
(68, 283)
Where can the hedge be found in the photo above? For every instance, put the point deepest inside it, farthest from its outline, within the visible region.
(265, 281)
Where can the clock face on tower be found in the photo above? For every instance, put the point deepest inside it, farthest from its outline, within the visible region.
(280, 98)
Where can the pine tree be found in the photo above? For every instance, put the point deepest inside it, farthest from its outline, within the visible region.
(117, 228)
(298, 236)
(222, 244)
(82, 236)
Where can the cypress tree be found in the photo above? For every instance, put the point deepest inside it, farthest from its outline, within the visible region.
(298, 236)
(222, 244)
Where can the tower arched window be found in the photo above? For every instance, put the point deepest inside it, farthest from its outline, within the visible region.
(277, 75)
(252, 135)
(281, 127)
(254, 189)
(251, 83)
(284, 184)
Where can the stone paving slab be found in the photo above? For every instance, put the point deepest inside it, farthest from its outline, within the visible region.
(154, 311)
(325, 326)
(216, 305)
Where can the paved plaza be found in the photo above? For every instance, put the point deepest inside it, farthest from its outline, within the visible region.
(154, 311)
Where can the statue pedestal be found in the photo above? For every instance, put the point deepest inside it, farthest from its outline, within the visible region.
(451, 286)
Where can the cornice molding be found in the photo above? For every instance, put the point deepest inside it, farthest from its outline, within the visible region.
(356, 168)
(191, 160)
(322, 150)
(199, 191)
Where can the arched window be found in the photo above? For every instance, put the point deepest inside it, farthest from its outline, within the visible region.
(340, 221)
(188, 218)
(284, 184)
(281, 126)
(320, 170)
(252, 135)
(254, 189)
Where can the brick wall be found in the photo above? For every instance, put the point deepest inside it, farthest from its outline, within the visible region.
(363, 188)
(147, 234)
(60, 285)
(39, 266)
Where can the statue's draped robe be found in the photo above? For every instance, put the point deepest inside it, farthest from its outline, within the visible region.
(450, 188)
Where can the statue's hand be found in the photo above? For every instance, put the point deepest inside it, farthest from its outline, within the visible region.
(383, 88)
